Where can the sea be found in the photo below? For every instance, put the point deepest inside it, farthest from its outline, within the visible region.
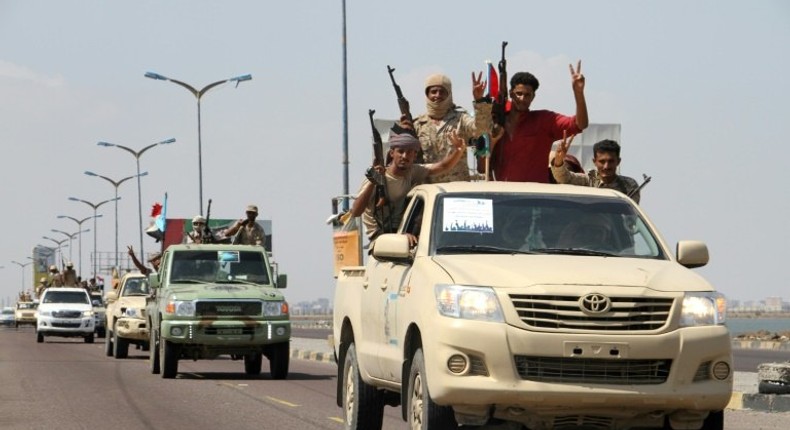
(748, 325)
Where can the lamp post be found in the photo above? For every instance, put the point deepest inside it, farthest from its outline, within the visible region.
(116, 184)
(198, 95)
(70, 236)
(95, 207)
(79, 227)
(59, 243)
(22, 266)
(137, 155)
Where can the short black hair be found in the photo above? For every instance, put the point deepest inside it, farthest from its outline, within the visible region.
(524, 78)
(606, 145)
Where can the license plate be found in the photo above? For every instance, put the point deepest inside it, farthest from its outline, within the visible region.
(229, 331)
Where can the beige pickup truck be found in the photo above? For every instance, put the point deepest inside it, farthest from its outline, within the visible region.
(126, 316)
(530, 306)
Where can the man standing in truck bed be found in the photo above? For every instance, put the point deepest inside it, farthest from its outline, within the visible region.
(247, 231)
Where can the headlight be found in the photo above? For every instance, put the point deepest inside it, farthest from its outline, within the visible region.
(44, 313)
(181, 308)
(474, 303)
(275, 309)
(87, 314)
(132, 313)
(701, 309)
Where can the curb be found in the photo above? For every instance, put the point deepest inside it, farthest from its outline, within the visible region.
(322, 357)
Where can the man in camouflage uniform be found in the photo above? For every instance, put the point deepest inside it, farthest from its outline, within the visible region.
(606, 156)
(69, 276)
(54, 279)
(247, 231)
(442, 116)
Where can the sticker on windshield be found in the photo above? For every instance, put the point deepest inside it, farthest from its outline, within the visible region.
(228, 256)
(468, 215)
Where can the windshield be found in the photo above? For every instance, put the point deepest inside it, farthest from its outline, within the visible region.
(135, 287)
(219, 266)
(541, 224)
(66, 297)
(26, 305)
(8, 311)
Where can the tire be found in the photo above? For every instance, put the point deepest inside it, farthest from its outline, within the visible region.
(253, 363)
(108, 345)
(769, 387)
(89, 338)
(145, 346)
(168, 359)
(121, 347)
(363, 404)
(101, 333)
(153, 353)
(39, 338)
(714, 421)
(422, 412)
(279, 358)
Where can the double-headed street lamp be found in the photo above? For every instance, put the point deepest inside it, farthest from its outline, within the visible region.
(198, 95)
(60, 245)
(79, 227)
(117, 184)
(22, 266)
(137, 155)
(95, 207)
(70, 236)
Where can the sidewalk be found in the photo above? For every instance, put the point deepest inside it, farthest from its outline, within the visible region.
(744, 388)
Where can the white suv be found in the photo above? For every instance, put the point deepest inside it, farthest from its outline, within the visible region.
(65, 312)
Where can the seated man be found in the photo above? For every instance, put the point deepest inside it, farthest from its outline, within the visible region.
(520, 230)
(591, 232)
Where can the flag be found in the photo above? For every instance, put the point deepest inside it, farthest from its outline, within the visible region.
(493, 81)
(159, 213)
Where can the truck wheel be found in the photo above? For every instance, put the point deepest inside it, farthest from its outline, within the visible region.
(89, 338)
(363, 404)
(39, 337)
(153, 353)
(100, 332)
(168, 359)
(423, 413)
(279, 357)
(253, 363)
(121, 349)
(714, 421)
(108, 345)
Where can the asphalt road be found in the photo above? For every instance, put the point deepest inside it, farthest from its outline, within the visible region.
(68, 384)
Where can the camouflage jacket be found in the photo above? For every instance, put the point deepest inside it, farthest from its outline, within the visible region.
(435, 144)
(623, 184)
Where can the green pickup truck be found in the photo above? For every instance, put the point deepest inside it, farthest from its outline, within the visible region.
(213, 300)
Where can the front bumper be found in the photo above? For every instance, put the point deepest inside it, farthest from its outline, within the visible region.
(132, 328)
(498, 347)
(52, 326)
(219, 335)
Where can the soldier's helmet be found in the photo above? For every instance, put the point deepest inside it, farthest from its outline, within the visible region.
(70, 265)
(43, 279)
(53, 268)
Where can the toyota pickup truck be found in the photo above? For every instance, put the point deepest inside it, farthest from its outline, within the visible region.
(125, 316)
(530, 305)
(213, 300)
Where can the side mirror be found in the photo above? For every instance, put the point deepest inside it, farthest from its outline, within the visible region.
(692, 253)
(111, 296)
(391, 247)
(96, 303)
(153, 280)
(282, 281)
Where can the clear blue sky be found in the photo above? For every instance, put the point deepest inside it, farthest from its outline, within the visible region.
(700, 89)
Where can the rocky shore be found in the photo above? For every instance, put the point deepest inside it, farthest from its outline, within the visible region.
(765, 336)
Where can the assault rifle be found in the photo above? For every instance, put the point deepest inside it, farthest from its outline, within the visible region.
(403, 105)
(381, 196)
(498, 109)
(646, 180)
(206, 236)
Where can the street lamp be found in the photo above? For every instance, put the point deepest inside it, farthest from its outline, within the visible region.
(59, 243)
(198, 95)
(95, 207)
(79, 226)
(70, 236)
(116, 184)
(137, 155)
(22, 266)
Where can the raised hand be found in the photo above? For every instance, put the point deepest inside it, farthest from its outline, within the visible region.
(478, 86)
(562, 149)
(457, 141)
(577, 79)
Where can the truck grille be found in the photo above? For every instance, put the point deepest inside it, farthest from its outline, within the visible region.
(66, 324)
(565, 312)
(593, 370)
(228, 309)
(67, 314)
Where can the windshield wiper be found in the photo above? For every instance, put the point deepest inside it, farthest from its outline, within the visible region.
(576, 251)
(478, 249)
(188, 281)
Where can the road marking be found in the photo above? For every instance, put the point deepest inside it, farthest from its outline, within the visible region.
(338, 419)
(282, 402)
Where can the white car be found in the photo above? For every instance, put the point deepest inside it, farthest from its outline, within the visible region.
(7, 316)
(65, 312)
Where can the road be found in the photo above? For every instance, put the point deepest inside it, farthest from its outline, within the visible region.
(68, 384)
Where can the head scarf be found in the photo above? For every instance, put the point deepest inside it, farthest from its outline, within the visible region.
(404, 140)
(439, 109)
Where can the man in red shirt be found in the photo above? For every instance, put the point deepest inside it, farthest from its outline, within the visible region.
(521, 153)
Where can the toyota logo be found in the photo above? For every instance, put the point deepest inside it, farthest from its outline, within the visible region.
(595, 303)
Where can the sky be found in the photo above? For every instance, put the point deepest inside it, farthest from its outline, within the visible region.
(700, 90)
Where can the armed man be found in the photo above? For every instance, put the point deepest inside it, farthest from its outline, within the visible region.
(247, 231)
(54, 279)
(69, 276)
